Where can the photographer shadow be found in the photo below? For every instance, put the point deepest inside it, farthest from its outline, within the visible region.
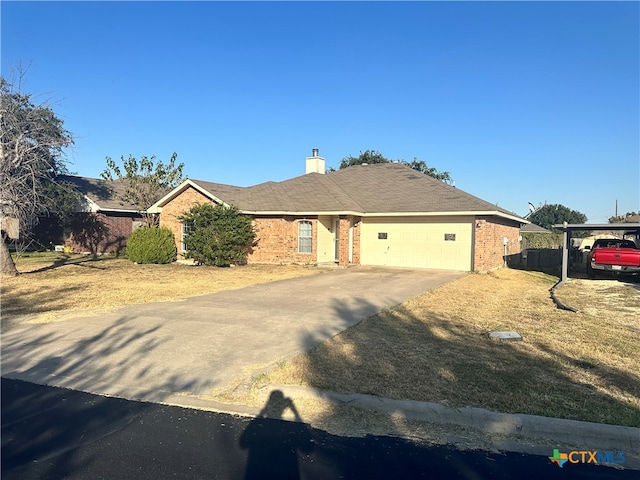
(274, 444)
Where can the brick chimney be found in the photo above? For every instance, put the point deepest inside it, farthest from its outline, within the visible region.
(315, 164)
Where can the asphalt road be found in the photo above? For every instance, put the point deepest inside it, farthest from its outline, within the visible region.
(54, 433)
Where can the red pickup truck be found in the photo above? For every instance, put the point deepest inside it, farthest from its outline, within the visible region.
(613, 255)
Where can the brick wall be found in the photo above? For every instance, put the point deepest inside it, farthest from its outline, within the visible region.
(101, 232)
(488, 251)
(277, 237)
(356, 240)
(345, 223)
(178, 206)
(277, 241)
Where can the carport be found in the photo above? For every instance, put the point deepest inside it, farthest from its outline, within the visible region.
(567, 228)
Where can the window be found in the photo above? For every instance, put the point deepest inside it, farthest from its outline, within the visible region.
(304, 236)
(186, 228)
(449, 237)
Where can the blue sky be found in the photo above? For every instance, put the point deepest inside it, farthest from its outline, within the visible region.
(519, 101)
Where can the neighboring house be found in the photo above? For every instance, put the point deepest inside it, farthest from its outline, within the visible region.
(384, 214)
(103, 222)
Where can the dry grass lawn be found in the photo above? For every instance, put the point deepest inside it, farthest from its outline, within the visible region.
(583, 366)
(52, 285)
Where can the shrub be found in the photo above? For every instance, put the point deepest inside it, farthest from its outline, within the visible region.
(151, 245)
(217, 235)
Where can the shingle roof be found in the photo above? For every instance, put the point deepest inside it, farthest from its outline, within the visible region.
(106, 195)
(367, 189)
(533, 228)
(393, 187)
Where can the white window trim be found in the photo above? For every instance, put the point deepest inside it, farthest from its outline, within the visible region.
(310, 237)
(184, 228)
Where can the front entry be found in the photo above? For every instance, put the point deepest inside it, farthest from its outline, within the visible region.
(336, 240)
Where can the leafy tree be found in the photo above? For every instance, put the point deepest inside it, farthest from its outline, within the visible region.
(32, 139)
(550, 215)
(146, 181)
(62, 199)
(217, 235)
(629, 217)
(421, 166)
(371, 157)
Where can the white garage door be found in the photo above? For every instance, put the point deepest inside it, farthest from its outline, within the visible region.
(441, 243)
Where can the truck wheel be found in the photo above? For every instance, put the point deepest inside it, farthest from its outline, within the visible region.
(591, 273)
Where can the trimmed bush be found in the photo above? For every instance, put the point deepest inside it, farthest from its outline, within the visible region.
(152, 245)
(217, 235)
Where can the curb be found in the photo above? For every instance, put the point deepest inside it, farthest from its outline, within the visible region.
(532, 428)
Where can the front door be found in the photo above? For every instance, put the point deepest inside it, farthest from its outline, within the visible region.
(336, 239)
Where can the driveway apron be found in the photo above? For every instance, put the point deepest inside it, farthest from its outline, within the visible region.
(201, 344)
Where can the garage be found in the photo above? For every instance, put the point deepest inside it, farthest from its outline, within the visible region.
(420, 242)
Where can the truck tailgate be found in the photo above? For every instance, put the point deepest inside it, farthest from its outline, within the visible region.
(627, 257)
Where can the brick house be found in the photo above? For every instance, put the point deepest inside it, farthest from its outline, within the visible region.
(383, 214)
(103, 222)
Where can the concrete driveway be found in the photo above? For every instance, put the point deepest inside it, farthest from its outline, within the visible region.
(200, 344)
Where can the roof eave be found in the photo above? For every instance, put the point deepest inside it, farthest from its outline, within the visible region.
(385, 214)
(459, 213)
(90, 206)
(299, 213)
(121, 210)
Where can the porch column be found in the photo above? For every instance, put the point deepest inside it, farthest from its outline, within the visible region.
(345, 224)
(565, 254)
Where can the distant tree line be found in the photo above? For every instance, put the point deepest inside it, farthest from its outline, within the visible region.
(371, 157)
(629, 217)
(556, 214)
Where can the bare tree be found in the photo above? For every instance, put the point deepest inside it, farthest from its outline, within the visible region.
(32, 139)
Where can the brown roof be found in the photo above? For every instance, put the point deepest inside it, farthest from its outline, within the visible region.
(106, 195)
(308, 193)
(368, 189)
